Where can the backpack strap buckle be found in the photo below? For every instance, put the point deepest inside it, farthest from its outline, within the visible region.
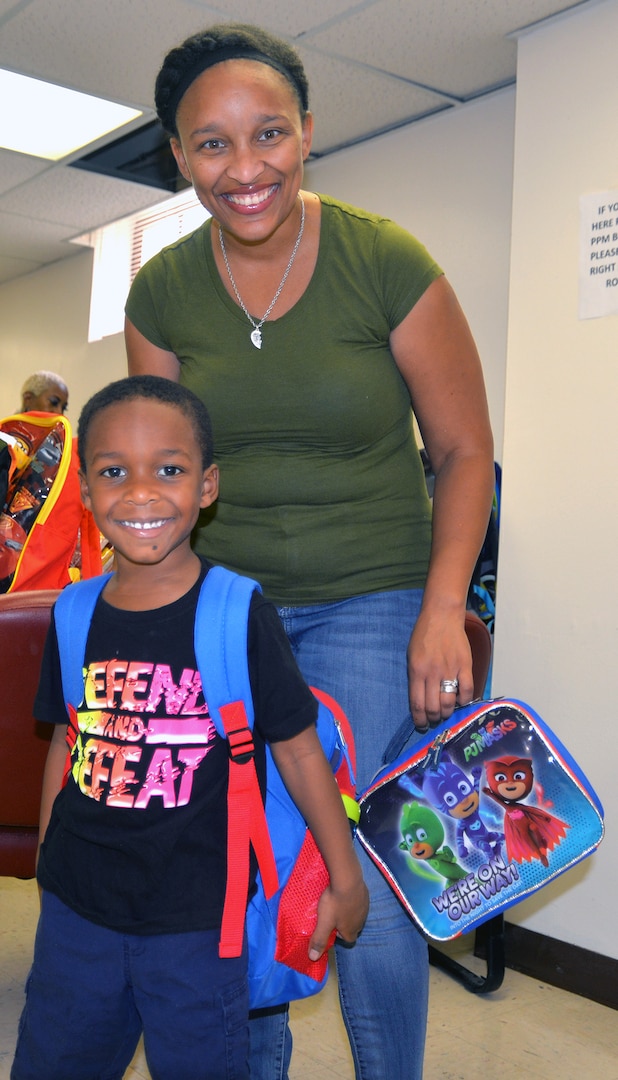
(240, 745)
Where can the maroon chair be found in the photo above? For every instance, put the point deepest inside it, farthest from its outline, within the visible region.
(480, 647)
(24, 619)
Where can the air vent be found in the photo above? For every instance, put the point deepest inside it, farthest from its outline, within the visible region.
(143, 156)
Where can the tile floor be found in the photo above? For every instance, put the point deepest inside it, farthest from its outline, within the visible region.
(524, 1031)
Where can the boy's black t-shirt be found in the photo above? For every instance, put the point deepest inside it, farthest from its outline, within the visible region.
(137, 837)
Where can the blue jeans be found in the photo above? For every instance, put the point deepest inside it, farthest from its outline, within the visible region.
(92, 992)
(356, 650)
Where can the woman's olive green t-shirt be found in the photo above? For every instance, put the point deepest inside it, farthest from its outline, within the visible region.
(322, 493)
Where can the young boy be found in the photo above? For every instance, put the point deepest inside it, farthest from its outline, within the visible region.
(133, 860)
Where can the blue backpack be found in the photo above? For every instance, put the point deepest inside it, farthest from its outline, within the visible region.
(282, 913)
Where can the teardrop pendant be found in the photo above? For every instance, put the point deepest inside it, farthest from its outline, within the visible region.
(256, 333)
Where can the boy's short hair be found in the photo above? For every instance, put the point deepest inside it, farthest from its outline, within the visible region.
(157, 389)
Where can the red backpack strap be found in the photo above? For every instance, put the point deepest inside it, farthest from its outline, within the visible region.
(221, 653)
(247, 827)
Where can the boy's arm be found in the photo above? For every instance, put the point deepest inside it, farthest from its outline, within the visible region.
(308, 777)
(52, 778)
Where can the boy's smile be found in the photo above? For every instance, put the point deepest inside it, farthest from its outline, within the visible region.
(145, 482)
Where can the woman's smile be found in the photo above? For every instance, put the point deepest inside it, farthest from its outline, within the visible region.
(253, 202)
(242, 144)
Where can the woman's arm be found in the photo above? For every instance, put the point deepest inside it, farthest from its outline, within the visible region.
(436, 354)
(308, 777)
(144, 358)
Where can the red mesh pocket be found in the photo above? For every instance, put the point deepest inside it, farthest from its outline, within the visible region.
(298, 912)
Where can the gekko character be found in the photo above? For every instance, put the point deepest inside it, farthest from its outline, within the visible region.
(423, 837)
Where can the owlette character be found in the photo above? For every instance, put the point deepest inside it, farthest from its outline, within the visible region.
(530, 832)
(423, 837)
(450, 791)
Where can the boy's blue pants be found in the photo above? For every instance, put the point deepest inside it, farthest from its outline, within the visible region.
(92, 992)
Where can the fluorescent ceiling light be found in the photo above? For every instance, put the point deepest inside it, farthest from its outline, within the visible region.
(49, 121)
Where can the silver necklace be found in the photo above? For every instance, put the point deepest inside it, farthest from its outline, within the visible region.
(256, 333)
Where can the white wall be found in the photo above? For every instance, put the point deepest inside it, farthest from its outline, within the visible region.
(448, 179)
(44, 325)
(556, 632)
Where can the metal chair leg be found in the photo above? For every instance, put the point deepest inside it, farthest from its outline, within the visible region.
(490, 936)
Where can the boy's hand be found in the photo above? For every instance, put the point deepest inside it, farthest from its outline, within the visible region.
(308, 777)
(344, 911)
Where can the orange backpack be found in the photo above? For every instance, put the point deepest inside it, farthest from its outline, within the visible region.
(47, 537)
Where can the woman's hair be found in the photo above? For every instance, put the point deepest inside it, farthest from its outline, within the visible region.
(156, 389)
(227, 41)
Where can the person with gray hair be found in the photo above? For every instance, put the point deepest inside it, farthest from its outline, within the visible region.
(44, 391)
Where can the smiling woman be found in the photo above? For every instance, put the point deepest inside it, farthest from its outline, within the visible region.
(323, 497)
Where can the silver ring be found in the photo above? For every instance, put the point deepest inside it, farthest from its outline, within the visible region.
(449, 686)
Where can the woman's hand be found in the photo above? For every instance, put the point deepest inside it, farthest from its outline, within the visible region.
(438, 649)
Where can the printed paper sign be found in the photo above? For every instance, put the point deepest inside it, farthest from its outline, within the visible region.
(598, 254)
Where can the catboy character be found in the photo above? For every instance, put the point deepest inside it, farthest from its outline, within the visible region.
(456, 795)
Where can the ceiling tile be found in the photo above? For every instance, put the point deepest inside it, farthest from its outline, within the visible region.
(28, 238)
(350, 102)
(113, 49)
(17, 168)
(455, 46)
(77, 199)
(287, 19)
